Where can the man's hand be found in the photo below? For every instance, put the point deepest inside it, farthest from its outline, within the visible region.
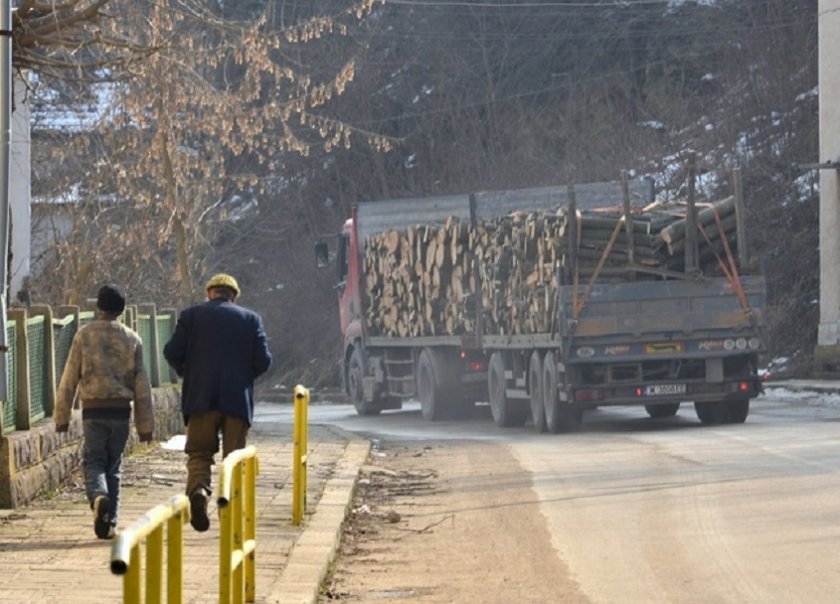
(62, 427)
(145, 438)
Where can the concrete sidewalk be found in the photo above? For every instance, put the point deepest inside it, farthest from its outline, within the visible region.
(49, 553)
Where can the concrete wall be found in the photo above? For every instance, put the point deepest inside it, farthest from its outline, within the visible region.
(38, 460)
(829, 82)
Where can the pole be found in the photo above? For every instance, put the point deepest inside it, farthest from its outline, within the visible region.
(5, 154)
(691, 263)
(299, 454)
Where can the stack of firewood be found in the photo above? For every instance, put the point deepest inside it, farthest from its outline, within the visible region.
(518, 257)
(419, 282)
(440, 279)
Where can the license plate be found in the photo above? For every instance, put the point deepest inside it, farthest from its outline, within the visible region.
(660, 389)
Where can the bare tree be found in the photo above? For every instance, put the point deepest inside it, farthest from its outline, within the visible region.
(201, 130)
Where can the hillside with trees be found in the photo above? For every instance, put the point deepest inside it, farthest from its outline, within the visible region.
(246, 133)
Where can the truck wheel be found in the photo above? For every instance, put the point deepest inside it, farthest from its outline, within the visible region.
(707, 412)
(355, 388)
(737, 410)
(428, 388)
(662, 410)
(560, 416)
(535, 388)
(505, 413)
(723, 412)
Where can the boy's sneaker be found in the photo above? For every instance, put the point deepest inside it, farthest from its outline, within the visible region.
(102, 517)
(198, 511)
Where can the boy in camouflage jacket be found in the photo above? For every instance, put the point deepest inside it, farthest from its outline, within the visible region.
(105, 369)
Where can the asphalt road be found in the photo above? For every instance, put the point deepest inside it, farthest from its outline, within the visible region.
(644, 510)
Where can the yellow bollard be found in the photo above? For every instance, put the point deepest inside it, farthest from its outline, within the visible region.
(301, 446)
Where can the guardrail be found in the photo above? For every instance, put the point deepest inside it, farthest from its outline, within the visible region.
(237, 503)
(39, 343)
(125, 553)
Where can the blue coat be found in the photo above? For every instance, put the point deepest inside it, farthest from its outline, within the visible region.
(219, 349)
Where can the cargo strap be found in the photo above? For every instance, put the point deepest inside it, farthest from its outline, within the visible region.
(580, 304)
(729, 267)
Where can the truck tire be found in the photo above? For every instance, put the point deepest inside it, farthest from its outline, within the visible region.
(505, 413)
(355, 380)
(430, 390)
(738, 410)
(535, 390)
(560, 416)
(723, 412)
(662, 410)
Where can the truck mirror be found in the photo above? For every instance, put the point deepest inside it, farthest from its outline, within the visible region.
(322, 254)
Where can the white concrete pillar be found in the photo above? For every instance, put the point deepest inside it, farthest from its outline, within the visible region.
(829, 83)
(20, 189)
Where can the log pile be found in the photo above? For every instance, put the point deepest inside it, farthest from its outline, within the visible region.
(420, 282)
(518, 257)
(442, 279)
(658, 238)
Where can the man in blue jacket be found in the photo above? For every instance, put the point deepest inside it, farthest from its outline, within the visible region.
(219, 349)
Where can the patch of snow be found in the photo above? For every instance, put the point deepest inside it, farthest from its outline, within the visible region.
(653, 125)
(815, 91)
(176, 443)
(823, 399)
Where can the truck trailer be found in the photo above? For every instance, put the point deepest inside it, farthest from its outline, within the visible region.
(549, 301)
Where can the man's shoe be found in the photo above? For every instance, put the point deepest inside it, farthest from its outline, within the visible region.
(102, 517)
(198, 511)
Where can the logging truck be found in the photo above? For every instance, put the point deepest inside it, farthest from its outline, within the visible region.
(546, 302)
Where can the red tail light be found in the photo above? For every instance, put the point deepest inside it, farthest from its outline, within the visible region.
(589, 395)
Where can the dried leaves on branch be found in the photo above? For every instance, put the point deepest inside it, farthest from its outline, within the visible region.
(73, 39)
(200, 131)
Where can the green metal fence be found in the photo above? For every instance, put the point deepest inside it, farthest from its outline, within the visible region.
(165, 325)
(63, 330)
(10, 406)
(38, 374)
(86, 317)
(144, 329)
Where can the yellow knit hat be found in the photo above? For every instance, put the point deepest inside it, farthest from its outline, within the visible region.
(223, 280)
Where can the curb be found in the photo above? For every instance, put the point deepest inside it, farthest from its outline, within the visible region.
(316, 547)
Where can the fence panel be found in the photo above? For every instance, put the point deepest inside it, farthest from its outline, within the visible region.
(86, 317)
(63, 332)
(164, 330)
(10, 406)
(38, 375)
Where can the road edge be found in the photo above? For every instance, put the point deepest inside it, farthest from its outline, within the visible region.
(315, 549)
